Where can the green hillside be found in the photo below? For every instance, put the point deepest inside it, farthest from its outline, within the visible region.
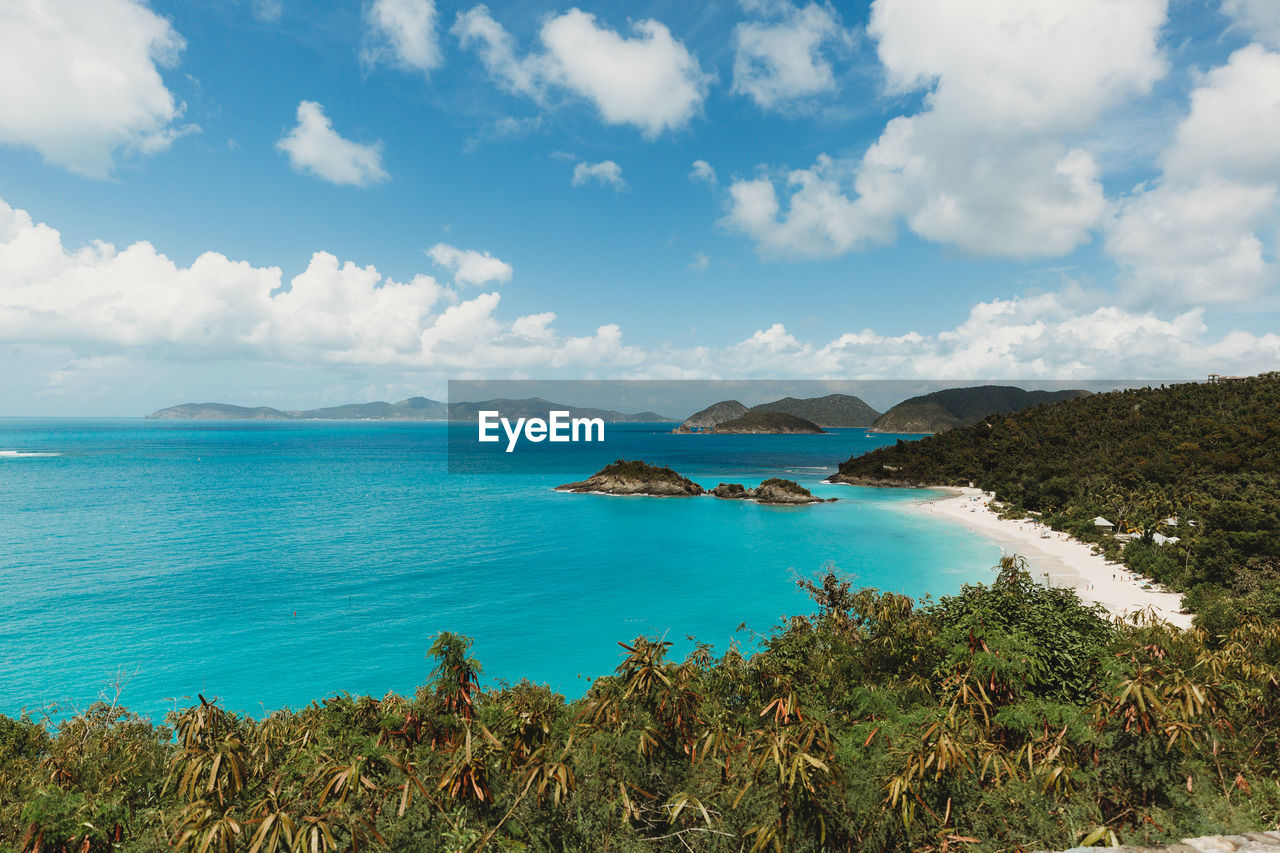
(957, 407)
(767, 423)
(1206, 456)
(833, 410)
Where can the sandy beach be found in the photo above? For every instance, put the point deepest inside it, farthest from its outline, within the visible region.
(1067, 561)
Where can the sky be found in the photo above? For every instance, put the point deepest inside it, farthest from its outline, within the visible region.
(270, 202)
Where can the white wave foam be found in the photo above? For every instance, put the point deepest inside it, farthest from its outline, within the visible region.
(22, 454)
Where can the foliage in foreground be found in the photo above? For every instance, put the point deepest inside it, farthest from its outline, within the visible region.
(1007, 717)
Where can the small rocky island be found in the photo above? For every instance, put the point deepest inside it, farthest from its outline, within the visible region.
(775, 490)
(633, 477)
(626, 477)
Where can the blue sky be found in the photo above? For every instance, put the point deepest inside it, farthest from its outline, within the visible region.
(385, 195)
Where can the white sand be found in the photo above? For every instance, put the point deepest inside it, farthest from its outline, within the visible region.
(1067, 561)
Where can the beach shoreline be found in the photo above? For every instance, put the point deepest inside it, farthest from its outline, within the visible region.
(1066, 561)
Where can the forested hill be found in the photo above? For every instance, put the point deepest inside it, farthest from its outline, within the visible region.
(957, 407)
(833, 410)
(1205, 455)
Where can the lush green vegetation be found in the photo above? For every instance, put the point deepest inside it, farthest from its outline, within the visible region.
(1007, 717)
(1207, 456)
(636, 469)
(754, 421)
(833, 410)
(789, 486)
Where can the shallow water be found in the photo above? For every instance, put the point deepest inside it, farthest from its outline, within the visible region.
(273, 563)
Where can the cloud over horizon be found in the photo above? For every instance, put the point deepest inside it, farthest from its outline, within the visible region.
(107, 308)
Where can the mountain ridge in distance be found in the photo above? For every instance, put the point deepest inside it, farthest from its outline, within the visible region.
(833, 410)
(412, 409)
(959, 407)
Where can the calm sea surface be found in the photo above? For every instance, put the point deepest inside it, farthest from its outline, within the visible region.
(273, 563)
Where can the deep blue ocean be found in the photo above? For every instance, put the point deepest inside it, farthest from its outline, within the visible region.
(275, 563)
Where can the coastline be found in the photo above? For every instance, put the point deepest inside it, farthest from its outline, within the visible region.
(1068, 562)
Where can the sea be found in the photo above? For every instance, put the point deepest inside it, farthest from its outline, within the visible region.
(270, 564)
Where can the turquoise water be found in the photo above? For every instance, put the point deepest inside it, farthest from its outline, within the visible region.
(273, 563)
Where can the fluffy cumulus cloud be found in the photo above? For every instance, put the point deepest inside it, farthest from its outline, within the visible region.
(112, 308)
(80, 81)
(1259, 18)
(314, 147)
(648, 80)
(101, 301)
(606, 173)
(984, 166)
(780, 59)
(469, 266)
(1233, 122)
(1046, 337)
(402, 33)
(1204, 230)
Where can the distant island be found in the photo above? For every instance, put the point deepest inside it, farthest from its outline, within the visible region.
(767, 423)
(929, 413)
(833, 410)
(787, 416)
(710, 417)
(412, 409)
(960, 407)
(634, 477)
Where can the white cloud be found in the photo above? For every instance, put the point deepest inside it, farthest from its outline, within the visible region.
(1043, 337)
(80, 81)
(101, 301)
(268, 10)
(1193, 243)
(649, 80)
(984, 166)
(1036, 65)
(402, 33)
(606, 173)
(477, 28)
(703, 173)
(469, 266)
(1195, 236)
(821, 220)
(780, 61)
(700, 261)
(1234, 120)
(1260, 18)
(135, 306)
(314, 146)
(535, 327)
